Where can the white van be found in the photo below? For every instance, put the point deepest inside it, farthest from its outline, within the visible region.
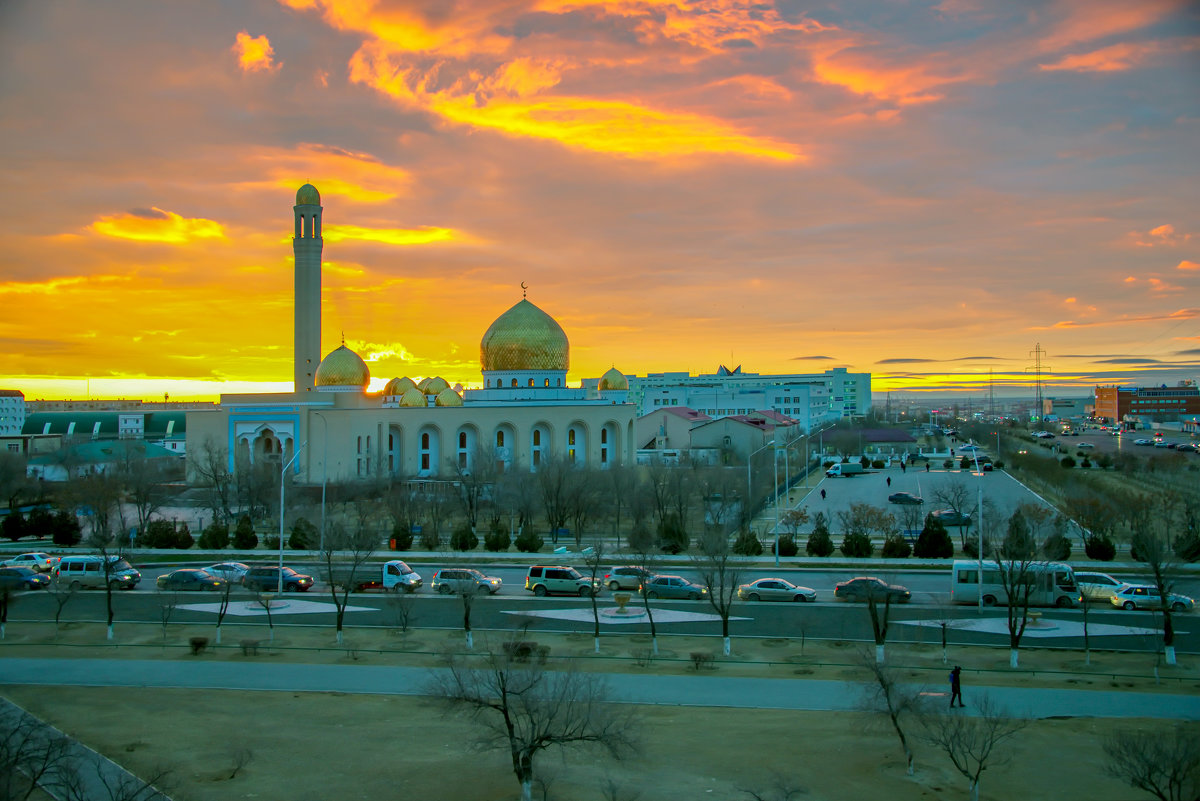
(78, 572)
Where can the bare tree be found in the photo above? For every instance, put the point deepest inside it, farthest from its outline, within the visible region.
(346, 553)
(62, 593)
(1151, 544)
(468, 595)
(167, 603)
(583, 493)
(973, 743)
(956, 496)
(31, 753)
(644, 545)
(473, 480)
(400, 605)
(13, 479)
(143, 480)
(95, 778)
(594, 559)
(528, 709)
(879, 618)
(721, 575)
(1017, 567)
(887, 695)
(7, 594)
(780, 788)
(223, 605)
(1164, 764)
(210, 465)
(100, 494)
(620, 480)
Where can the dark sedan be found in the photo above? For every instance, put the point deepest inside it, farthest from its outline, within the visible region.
(868, 587)
(674, 587)
(22, 578)
(190, 579)
(905, 498)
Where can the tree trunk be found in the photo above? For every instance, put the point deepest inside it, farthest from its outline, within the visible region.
(596, 641)
(1012, 657)
(1170, 652)
(526, 790)
(218, 635)
(654, 645)
(110, 631)
(339, 636)
(975, 790)
(470, 641)
(725, 642)
(879, 659)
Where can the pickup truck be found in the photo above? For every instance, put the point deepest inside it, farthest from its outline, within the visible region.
(392, 576)
(844, 469)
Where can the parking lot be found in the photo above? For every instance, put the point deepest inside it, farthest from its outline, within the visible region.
(872, 487)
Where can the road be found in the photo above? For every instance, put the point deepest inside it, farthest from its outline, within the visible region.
(917, 622)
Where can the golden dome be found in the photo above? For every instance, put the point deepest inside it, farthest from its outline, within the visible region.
(414, 397)
(448, 397)
(435, 385)
(398, 386)
(524, 338)
(308, 195)
(342, 368)
(424, 382)
(614, 379)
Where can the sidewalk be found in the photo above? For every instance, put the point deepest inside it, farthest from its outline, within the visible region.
(712, 691)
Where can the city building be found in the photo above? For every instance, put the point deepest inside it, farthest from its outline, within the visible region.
(809, 399)
(12, 412)
(1065, 408)
(331, 429)
(1147, 404)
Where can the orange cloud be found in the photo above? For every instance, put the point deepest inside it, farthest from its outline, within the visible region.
(392, 236)
(254, 53)
(864, 74)
(1088, 20)
(157, 225)
(1180, 314)
(56, 285)
(1162, 235)
(1118, 57)
(1187, 265)
(337, 172)
(604, 126)
(1158, 285)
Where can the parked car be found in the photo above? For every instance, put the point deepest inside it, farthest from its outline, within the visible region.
(1097, 586)
(41, 562)
(949, 517)
(626, 577)
(905, 498)
(674, 587)
(189, 579)
(1144, 596)
(1087, 445)
(863, 587)
(230, 571)
(457, 580)
(266, 579)
(22, 578)
(1143, 441)
(558, 580)
(776, 589)
(968, 448)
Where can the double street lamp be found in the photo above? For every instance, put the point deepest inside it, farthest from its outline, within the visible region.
(282, 485)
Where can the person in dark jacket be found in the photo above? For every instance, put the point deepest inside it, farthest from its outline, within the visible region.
(956, 686)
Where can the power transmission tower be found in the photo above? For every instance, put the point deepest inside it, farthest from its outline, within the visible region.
(1037, 353)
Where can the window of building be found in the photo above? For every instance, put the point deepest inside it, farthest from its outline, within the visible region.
(499, 439)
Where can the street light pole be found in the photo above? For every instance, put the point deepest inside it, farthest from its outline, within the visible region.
(979, 523)
(324, 470)
(282, 484)
(749, 499)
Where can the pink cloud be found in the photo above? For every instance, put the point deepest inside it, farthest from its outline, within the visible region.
(255, 53)
(1188, 265)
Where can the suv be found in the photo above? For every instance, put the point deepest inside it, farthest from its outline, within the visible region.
(558, 579)
(459, 580)
(266, 579)
(626, 577)
(88, 571)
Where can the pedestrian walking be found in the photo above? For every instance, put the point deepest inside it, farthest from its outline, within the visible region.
(822, 494)
(927, 467)
(903, 468)
(889, 481)
(956, 686)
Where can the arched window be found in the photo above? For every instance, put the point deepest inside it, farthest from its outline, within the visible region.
(531, 382)
(604, 436)
(462, 439)
(547, 383)
(537, 438)
(571, 436)
(514, 382)
(499, 439)
(425, 440)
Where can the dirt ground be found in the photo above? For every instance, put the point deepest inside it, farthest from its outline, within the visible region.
(353, 746)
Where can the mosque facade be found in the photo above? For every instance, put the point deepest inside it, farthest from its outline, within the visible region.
(330, 428)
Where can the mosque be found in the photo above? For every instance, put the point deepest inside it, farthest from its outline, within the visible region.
(331, 428)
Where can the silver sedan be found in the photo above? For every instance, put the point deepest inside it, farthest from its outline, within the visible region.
(775, 589)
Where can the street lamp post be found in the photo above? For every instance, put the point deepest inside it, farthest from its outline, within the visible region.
(749, 493)
(282, 484)
(979, 523)
(324, 470)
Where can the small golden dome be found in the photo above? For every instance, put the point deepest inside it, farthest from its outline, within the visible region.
(414, 397)
(448, 397)
(424, 382)
(434, 386)
(398, 386)
(524, 338)
(613, 380)
(342, 368)
(308, 195)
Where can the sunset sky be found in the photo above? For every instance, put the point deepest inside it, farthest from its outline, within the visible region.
(920, 190)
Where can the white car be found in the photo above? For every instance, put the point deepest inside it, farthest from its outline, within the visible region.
(1139, 596)
(232, 572)
(1097, 586)
(969, 448)
(1143, 442)
(41, 562)
(1087, 445)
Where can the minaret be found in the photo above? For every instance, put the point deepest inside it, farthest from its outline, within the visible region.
(307, 245)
